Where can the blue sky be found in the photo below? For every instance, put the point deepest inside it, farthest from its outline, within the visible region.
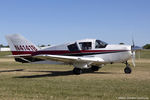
(60, 21)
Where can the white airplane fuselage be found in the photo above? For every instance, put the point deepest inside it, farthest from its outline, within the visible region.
(82, 54)
(110, 54)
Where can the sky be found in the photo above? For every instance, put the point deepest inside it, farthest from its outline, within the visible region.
(60, 21)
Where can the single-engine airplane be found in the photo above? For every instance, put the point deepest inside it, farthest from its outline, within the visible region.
(89, 54)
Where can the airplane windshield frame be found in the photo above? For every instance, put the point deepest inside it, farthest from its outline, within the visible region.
(100, 44)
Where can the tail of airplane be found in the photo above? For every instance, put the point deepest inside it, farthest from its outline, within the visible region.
(21, 48)
(19, 45)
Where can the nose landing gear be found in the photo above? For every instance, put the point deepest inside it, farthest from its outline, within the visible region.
(127, 69)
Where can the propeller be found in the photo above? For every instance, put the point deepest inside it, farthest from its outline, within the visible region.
(133, 58)
(133, 52)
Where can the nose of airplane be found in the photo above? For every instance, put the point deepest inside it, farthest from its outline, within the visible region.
(129, 49)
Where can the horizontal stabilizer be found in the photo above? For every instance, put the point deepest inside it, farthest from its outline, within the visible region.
(24, 55)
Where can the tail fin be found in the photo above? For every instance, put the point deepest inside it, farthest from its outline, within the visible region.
(19, 45)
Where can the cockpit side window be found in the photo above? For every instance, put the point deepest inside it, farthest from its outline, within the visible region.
(85, 45)
(73, 47)
(100, 44)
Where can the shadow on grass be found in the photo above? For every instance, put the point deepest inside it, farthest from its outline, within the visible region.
(15, 70)
(107, 73)
(50, 74)
(61, 73)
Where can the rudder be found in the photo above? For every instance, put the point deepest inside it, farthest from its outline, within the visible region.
(19, 45)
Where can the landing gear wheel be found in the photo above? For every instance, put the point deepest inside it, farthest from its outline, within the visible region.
(127, 70)
(77, 71)
(94, 68)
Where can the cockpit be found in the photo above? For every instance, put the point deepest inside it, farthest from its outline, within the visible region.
(85, 45)
(88, 44)
(100, 44)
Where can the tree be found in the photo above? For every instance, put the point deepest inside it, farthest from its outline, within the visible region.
(121, 43)
(147, 46)
(42, 45)
(1, 45)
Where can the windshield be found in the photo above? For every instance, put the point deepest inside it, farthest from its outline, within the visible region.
(100, 44)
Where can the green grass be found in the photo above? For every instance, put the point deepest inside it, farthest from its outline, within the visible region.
(4, 53)
(144, 54)
(56, 82)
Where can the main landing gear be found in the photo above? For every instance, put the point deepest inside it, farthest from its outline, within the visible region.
(127, 69)
(95, 68)
(78, 71)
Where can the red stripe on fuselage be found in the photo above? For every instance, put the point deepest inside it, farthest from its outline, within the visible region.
(62, 52)
(21, 52)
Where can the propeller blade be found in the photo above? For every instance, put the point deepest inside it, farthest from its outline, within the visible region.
(133, 43)
(134, 48)
(133, 58)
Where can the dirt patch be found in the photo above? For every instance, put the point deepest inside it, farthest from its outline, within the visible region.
(141, 61)
(7, 60)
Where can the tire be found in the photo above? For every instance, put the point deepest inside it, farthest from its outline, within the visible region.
(127, 70)
(94, 68)
(77, 71)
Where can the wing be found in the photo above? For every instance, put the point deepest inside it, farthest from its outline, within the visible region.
(70, 59)
(64, 59)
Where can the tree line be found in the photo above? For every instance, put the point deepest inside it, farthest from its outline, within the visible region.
(146, 46)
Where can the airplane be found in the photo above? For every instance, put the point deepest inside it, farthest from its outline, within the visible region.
(90, 54)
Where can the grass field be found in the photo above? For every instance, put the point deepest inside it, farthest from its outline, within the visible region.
(54, 82)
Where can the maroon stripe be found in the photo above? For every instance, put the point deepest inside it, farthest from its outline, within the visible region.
(57, 52)
(61, 52)
(21, 52)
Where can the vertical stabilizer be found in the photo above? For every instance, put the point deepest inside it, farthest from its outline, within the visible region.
(19, 45)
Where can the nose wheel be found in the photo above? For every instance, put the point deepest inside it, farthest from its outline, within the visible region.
(127, 69)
